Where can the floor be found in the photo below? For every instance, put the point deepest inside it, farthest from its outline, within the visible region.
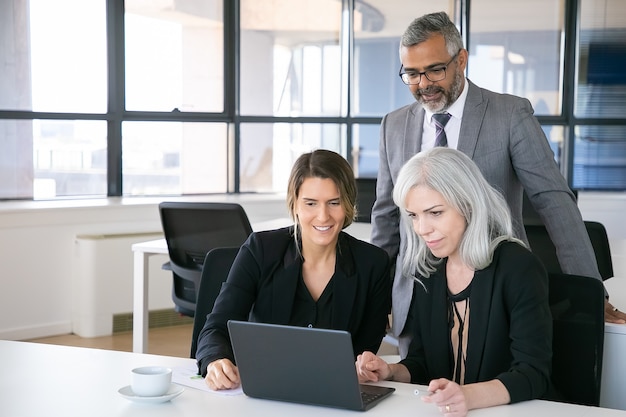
(170, 341)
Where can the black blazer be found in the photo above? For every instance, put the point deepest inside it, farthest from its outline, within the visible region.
(510, 326)
(262, 283)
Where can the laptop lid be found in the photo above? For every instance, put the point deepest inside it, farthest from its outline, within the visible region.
(301, 365)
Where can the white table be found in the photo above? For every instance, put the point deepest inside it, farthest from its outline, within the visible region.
(144, 250)
(613, 369)
(50, 380)
(612, 391)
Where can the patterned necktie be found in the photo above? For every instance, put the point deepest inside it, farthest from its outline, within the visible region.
(440, 134)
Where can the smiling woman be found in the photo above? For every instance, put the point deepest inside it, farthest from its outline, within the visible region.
(317, 168)
(312, 274)
(320, 216)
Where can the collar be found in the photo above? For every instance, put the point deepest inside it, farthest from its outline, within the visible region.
(345, 259)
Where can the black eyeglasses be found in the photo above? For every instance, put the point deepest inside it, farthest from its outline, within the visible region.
(435, 74)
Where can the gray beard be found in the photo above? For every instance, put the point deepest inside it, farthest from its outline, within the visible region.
(448, 97)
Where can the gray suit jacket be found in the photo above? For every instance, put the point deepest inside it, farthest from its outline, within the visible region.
(500, 133)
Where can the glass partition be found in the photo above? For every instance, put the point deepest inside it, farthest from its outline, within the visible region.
(268, 151)
(516, 47)
(52, 61)
(46, 159)
(172, 158)
(600, 149)
(290, 57)
(174, 56)
(376, 87)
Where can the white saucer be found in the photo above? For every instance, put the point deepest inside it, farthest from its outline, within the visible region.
(173, 392)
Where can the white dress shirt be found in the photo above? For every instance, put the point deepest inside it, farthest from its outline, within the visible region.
(453, 127)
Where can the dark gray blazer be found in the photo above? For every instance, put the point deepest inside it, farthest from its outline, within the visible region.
(262, 284)
(500, 133)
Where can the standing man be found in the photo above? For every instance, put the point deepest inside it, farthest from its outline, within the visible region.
(498, 131)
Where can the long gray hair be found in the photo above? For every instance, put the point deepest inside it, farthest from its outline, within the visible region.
(457, 178)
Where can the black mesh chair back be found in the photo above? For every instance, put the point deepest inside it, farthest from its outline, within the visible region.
(542, 246)
(214, 272)
(600, 242)
(365, 197)
(191, 230)
(577, 305)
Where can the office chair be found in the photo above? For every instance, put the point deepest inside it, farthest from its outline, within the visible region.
(577, 305)
(542, 246)
(214, 272)
(365, 197)
(600, 242)
(191, 230)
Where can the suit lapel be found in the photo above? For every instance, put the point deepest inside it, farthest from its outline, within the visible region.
(413, 130)
(284, 285)
(473, 116)
(432, 310)
(344, 285)
(443, 366)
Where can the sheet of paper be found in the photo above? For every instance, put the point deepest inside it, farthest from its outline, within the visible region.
(189, 377)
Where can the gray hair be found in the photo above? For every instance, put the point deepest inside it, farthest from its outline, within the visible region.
(458, 179)
(423, 28)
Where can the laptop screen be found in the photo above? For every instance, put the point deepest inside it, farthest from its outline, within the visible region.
(299, 364)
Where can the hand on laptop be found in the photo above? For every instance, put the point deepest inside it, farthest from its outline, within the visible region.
(222, 374)
(371, 368)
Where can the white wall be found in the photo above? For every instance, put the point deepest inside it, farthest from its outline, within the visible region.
(44, 265)
(41, 287)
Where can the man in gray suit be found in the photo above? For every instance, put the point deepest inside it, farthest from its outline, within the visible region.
(498, 131)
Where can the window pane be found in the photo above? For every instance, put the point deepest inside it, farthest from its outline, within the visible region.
(16, 159)
(290, 58)
(53, 61)
(365, 140)
(600, 158)
(161, 158)
(268, 151)
(377, 89)
(70, 158)
(556, 139)
(600, 151)
(601, 90)
(174, 55)
(44, 159)
(516, 49)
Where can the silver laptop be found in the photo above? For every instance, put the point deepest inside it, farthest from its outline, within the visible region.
(301, 365)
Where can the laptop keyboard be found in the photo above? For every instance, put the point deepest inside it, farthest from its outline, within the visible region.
(368, 397)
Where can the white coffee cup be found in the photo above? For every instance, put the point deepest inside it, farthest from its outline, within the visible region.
(151, 381)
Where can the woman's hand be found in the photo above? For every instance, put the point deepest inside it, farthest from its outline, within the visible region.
(371, 368)
(455, 401)
(222, 374)
(448, 396)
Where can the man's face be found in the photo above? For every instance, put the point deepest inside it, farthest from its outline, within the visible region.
(436, 96)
